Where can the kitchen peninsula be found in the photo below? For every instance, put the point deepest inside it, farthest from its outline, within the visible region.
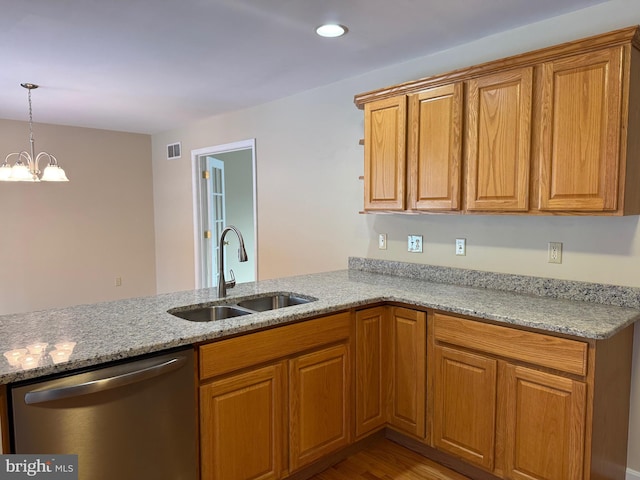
(386, 321)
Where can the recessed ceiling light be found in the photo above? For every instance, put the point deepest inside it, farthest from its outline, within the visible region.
(331, 30)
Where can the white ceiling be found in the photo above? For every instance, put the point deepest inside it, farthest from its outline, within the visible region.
(152, 65)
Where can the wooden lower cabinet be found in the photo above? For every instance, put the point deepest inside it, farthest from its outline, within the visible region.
(242, 425)
(525, 405)
(370, 370)
(519, 404)
(544, 417)
(319, 399)
(482, 393)
(390, 370)
(273, 401)
(464, 417)
(407, 365)
(545, 425)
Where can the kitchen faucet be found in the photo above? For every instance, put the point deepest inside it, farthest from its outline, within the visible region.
(242, 256)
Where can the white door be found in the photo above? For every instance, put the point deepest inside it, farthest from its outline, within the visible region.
(213, 220)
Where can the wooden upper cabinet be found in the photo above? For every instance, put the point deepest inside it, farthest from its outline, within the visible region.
(435, 148)
(499, 141)
(580, 131)
(385, 154)
(552, 131)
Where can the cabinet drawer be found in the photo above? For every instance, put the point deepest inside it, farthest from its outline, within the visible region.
(544, 350)
(255, 348)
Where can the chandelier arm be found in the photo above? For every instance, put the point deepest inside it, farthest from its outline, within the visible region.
(52, 160)
(23, 156)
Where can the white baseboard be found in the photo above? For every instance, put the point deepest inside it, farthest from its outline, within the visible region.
(632, 475)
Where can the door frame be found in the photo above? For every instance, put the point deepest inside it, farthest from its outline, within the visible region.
(199, 192)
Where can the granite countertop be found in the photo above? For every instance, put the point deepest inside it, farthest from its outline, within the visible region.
(121, 329)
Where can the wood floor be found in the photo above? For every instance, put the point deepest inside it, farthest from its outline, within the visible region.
(386, 460)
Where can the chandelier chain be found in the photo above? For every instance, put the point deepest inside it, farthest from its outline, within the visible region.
(30, 118)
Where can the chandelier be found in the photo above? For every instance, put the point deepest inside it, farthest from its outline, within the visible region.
(25, 168)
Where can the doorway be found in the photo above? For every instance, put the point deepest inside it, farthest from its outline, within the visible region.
(224, 194)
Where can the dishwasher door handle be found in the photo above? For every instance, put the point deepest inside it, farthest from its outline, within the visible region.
(102, 384)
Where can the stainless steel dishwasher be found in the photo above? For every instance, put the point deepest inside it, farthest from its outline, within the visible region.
(131, 421)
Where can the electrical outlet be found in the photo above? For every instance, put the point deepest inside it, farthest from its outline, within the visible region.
(414, 243)
(461, 246)
(382, 241)
(118, 282)
(555, 252)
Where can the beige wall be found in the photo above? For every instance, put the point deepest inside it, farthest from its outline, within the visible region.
(309, 195)
(64, 243)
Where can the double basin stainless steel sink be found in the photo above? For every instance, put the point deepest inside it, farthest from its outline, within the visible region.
(242, 307)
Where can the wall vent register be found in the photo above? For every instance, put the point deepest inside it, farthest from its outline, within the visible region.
(174, 151)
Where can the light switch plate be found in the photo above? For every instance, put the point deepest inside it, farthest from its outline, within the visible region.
(382, 241)
(414, 243)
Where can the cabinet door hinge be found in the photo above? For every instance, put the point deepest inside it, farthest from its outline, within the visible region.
(205, 174)
(207, 234)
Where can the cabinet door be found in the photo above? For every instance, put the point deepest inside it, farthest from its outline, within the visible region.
(499, 141)
(580, 136)
(435, 148)
(385, 154)
(464, 420)
(544, 426)
(319, 403)
(408, 371)
(371, 384)
(241, 426)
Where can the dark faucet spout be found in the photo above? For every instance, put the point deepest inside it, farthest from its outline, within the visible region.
(242, 256)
